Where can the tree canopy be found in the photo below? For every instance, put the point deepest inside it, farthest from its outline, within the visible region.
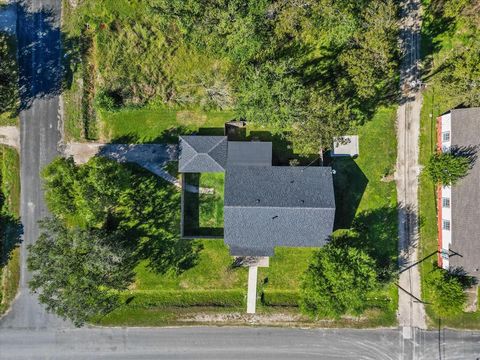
(78, 272)
(456, 72)
(8, 76)
(447, 168)
(338, 282)
(106, 218)
(447, 291)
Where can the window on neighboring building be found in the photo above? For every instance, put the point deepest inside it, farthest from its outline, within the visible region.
(446, 202)
(446, 136)
(446, 225)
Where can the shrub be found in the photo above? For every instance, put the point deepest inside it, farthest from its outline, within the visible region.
(281, 297)
(447, 168)
(105, 101)
(447, 296)
(184, 298)
(338, 282)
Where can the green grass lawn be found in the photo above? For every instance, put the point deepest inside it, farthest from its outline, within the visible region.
(10, 253)
(160, 124)
(213, 271)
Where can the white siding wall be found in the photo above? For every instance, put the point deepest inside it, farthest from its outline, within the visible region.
(446, 193)
(446, 127)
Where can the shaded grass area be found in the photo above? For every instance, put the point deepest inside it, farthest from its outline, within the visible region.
(213, 271)
(10, 227)
(433, 104)
(204, 212)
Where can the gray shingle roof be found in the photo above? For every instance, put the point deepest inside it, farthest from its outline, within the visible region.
(277, 206)
(264, 206)
(254, 153)
(465, 132)
(202, 154)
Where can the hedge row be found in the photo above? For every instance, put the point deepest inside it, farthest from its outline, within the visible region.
(280, 297)
(184, 298)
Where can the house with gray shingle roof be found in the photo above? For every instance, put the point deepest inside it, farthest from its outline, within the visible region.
(264, 206)
(458, 205)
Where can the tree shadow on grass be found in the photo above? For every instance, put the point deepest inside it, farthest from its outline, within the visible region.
(157, 228)
(192, 209)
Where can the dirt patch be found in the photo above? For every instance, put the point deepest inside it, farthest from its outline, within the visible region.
(243, 318)
(191, 118)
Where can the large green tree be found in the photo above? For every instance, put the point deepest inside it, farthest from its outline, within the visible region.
(338, 282)
(78, 272)
(85, 195)
(447, 168)
(107, 217)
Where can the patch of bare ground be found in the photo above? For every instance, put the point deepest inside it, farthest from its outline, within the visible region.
(191, 118)
(283, 319)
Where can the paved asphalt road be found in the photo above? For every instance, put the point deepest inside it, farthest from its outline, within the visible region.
(39, 56)
(233, 343)
(28, 332)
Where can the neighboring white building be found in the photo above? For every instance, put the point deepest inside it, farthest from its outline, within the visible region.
(459, 205)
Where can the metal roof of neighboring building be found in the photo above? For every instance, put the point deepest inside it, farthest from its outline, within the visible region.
(202, 154)
(465, 133)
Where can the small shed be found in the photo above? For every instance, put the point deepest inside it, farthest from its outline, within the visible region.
(345, 146)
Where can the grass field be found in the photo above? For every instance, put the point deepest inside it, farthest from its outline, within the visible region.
(204, 212)
(10, 254)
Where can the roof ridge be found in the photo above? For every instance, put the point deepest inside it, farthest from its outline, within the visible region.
(213, 148)
(181, 150)
(216, 145)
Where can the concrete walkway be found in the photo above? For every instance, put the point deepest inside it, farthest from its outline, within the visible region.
(411, 312)
(10, 136)
(252, 289)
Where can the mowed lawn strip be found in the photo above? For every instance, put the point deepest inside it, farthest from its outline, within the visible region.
(160, 125)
